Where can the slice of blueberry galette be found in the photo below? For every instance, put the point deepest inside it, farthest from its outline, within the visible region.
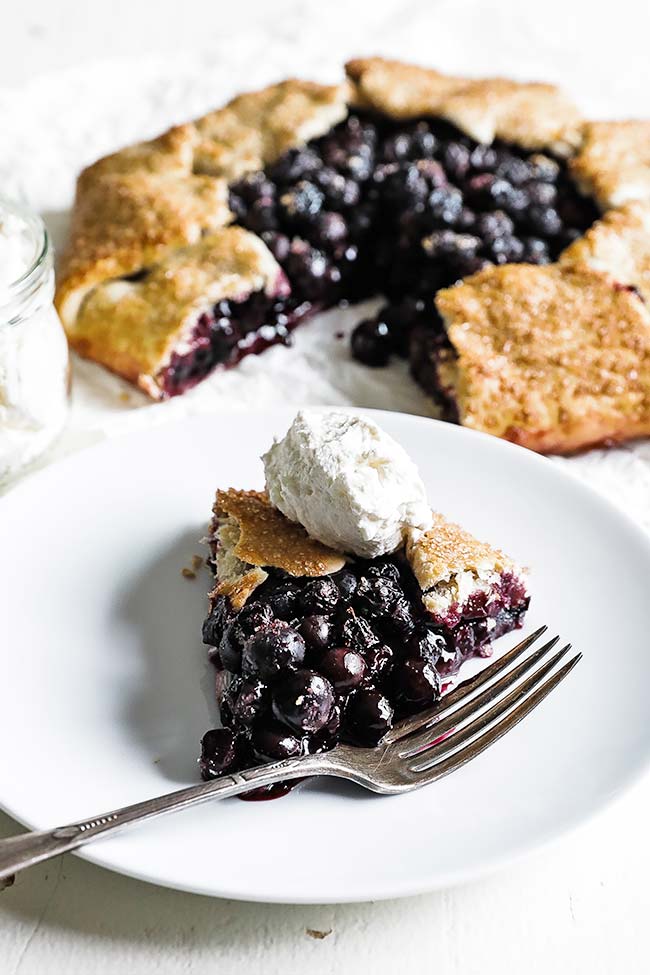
(313, 645)
(216, 239)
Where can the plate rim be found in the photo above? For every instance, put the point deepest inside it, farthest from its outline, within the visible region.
(490, 863)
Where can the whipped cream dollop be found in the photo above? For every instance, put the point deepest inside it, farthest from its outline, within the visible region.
(347, 482)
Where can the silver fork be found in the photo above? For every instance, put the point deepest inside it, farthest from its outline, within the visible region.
(414, 753)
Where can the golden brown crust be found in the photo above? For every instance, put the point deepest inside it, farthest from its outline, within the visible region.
(613, 163)
(238, 590)
(137, 205)
(170, 154)
(135, 208)
(126, 222)
(257, 127)
(618, 245)
(446, 549)
(530, 114)
(134, 326)
(267, 538)
(554, 358)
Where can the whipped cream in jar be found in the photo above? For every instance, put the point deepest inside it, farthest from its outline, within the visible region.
(34, 366)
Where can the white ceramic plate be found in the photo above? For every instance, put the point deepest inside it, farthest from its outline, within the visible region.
(106, 690)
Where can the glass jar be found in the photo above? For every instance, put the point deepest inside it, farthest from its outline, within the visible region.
(34, 365)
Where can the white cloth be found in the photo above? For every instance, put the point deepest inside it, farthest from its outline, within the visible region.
(55, 125)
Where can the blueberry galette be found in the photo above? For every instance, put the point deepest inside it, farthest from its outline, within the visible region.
(311, 646)
(485, 211)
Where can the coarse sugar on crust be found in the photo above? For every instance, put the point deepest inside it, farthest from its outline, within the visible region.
(613, 162)
(554, 358)
(266, 538)
(530, 114)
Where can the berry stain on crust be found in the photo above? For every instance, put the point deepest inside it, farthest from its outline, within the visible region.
(307, 663)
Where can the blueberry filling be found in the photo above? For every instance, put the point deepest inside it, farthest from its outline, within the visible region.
(307, 663)
(229, 331)
(406, 208)
(401, 208)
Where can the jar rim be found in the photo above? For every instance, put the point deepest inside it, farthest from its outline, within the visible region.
(42, 249)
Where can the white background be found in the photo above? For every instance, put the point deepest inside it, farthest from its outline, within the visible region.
(581, 906)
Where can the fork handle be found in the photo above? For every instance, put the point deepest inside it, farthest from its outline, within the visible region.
(27, 849)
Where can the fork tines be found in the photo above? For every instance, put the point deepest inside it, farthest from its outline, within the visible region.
(479, 711)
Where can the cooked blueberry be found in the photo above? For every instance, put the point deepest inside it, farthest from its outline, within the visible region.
(253, 186)
(399, 321)
(369, 716)
(319, 596)
(303, 202)
(249, 701)
(541, 194)
(357, 633)
(397, 147)
(253, 615)
(339, 190)
(293, 165)
(274, 743)
(237, 205)
(427, 644)
(304, 701)
(445, 204)
(423, 141)
(361, 220)
(399, 622)
(217, 621)
(272, 650)
(445, 243)
(219, 753)
(514, 169)
(543, 167)
(490, 191)
(463, 267)
(347, 584)
(494, 224)
(379, 660)
(405, 186)
(466, 220)
(416, 684)
(316, 632)
(350, 150)
(377, 594)
(455, 159)
(506, 250)
(327, 737)
(344, 668)
(516, 202)
(383, 569)
(231, 647)
(483, 159)
(544, 220)
(433, 172)
(282, 600)
(372, 342)
(307, 269)
(262, 216)
(330, 229)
